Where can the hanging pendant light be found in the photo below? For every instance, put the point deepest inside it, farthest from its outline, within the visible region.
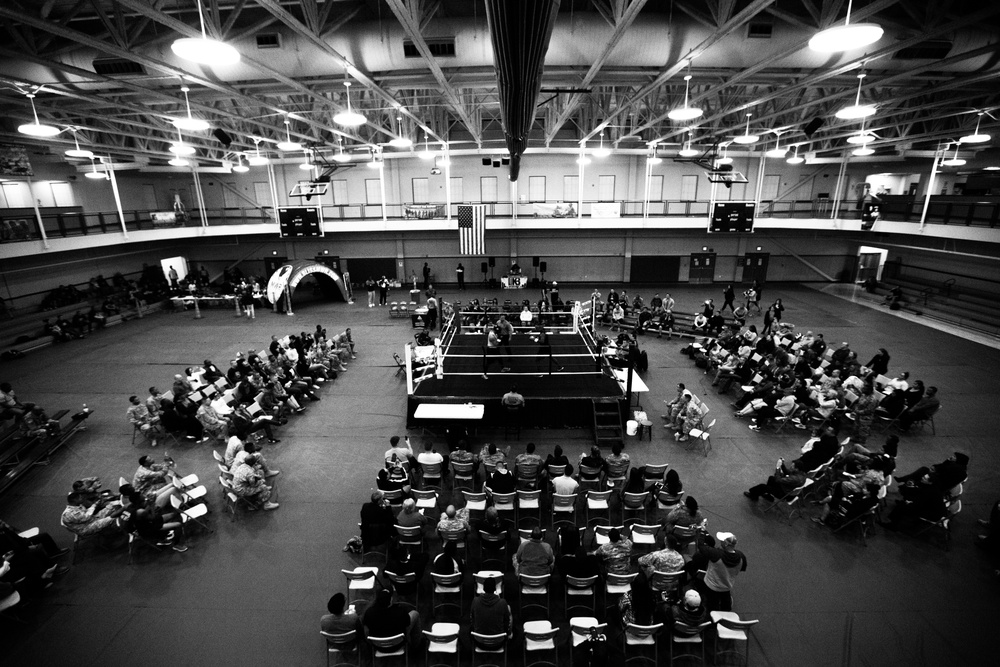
(955, 161)
(601, 151)
(858, 110)
(846, 37)
(340, 155)
(187, 123)
(78, 152)
(94, 174)
(178, 162)
(400, 141)
(307, 164)
(862, 137)
(583, 159)
(651, 156)
(777, 151)
(975, 137)
(37, 129)
(427, 153)
(203, 50)
(257, 160)
(179, 147)
(288, 145)
(796, 158)
(349, 118)
(746, 138)
(376, 162)
(685, 112)
(863, 151)
(239, 167)
(725, 159)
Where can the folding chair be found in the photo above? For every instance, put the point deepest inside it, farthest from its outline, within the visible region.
(526, 475)
(944, 523)
(781, 421)
(489, 645)
(639, 637)
(667, 501)
(442, 639)
(865, 523)
(563, 504)
(463, 472)
(555, 471)
(635, 502)
(360, 580)
(655, 472)
(729, 628)
(644, 535)
(540, 636)
(589, 477)
(493, 549)
(482, 576)
(577, 587)
(617, 474)
(400, 366)
(193, 513)
(447, 585)
(701, 437)
(534, 587)
(341, 645)
(430, 473)
(405, 584)
(667, 582)
(929, 419)
(410, 537)
(616, 584)
(459, 536)
(426, 500)
(389, 647)
(529, 500)
(474, 502)
(688, 635)
(506, 502)
(135, 541)
(791, 500)
(598, 501)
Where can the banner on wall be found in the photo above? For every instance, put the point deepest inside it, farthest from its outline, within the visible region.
(605, 210)
(14, 161)
(561, 210)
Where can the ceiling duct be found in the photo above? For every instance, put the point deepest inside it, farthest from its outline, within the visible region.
(520, 32)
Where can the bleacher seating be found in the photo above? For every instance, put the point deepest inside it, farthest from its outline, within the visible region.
(963, 306)
(19, 455)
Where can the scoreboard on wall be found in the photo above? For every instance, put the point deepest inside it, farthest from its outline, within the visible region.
(732, 216)
(300, 221)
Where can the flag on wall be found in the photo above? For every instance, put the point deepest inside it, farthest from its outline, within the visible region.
(472, 229)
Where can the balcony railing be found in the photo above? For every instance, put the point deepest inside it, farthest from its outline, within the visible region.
(70, 224)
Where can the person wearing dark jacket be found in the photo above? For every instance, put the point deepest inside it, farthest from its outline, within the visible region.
(944, 476)
(921, 500)
(385, 618)
(922, 409)
(879, 364)
(823, 447)
(724, 564)
(376, 521)
(490, 613)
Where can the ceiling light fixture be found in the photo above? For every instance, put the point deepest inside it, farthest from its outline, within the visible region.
(239, 167)
(601, 151)
(94, 174)
(858, 110)
(955, 161)
(78, 152)
(796, 158)
(349, 118)
(725, 159)
(307, 165)
(427, 153)
(991, 168)
(257, 160)
(188, 123)
(443, 161)
(685, 112)
(864, 151)
(375, 163)
(179, 147)
(583, 159)
(400, 141)
(178, 162)
(746, 138)
(975, 137)
(777, 151)
(203, 50)
(861, 138)
(340, 155)
(687, 151)
(288, 145)
(846, 37)
(37, 129)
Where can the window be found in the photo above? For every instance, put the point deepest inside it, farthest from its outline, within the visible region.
(605, 188)
(769, 191)
(656, 187)
(339, 191)
(229, 197)
(373, 191)
(488, 188)
(536, 188)
(689, 188)
(262, 193)
(571, 188)
(149, 197)
(62, 193)
(421, 190)
(457, 193)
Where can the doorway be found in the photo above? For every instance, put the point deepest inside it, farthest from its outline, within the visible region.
(658, 269)
(702, 268)
(755, 267)
(870, 262)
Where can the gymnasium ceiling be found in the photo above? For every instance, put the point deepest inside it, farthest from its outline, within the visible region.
(427, 68)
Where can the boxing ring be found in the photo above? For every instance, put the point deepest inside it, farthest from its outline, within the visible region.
(559, 389)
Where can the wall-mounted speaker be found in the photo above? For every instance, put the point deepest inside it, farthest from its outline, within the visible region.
(493, 261)
(542, 267)
(534, 261)
(487, 161)
(484, 267)
(223, 138)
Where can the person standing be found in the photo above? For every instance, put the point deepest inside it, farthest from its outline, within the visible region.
(729, 294)
(460, 272)
(427, 276)
(492, 351)
(544, 353)
(172, 275)
(724, 564)
(432, 312)
(383, 291)
(370, 287)
(506, 330)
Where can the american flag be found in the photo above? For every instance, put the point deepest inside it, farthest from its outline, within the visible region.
(472, 229)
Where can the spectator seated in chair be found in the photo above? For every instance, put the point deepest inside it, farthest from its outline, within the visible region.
(667, 559)
(152, 480)
(248, 483)
(161, 529)
(393, 477)
(491, 613)
(410, 517)
(501, 480)
(534, 557)
(342, 618)
(943, 476)
(922, 409)
(922, 499)
(87, 519)
(385, 618)
(777, 485)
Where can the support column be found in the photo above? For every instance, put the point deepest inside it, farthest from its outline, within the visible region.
(38, 214)
(930, 189)
(118, 199)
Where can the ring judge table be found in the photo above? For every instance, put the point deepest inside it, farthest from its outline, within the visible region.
(448, 415)
(516, 281)
(638, 386)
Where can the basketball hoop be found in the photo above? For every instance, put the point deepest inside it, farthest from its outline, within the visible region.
(727, 177)
(308, 190)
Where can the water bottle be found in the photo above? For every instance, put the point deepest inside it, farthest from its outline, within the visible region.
(85, 408)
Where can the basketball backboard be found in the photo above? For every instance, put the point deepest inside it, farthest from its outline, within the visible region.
(309, 189)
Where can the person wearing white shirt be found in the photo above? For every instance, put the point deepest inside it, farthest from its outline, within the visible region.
(565, 484)
(402, 453)
(430, 457)
(900, 383)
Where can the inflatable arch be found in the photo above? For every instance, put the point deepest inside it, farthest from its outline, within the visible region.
(283, 282)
